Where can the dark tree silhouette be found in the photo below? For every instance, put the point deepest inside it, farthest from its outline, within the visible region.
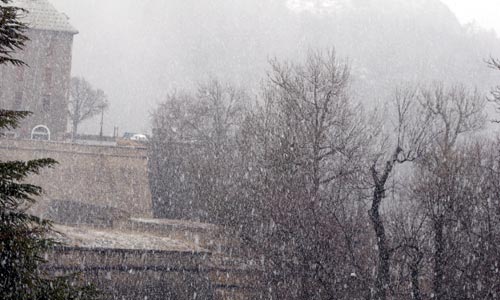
(12, 37)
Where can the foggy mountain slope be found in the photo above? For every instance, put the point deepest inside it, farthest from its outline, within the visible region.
(181, 42)
(391, 41)
(387, 41)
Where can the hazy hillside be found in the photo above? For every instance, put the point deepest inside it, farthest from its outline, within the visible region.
(387, 41)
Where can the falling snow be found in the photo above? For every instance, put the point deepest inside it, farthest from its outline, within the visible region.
(302, 149)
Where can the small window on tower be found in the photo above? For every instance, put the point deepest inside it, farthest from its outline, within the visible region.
(48, 77)
(46, 103)
(18, 100)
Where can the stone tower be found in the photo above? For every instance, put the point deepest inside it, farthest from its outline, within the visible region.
(42, 87)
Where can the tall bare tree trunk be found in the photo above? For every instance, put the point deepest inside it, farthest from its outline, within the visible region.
(74, 131)
(382, 279)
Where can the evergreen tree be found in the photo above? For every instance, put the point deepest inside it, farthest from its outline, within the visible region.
(23, 237)
(23, 240)
(12, 37)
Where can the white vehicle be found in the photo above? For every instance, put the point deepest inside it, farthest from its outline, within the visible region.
(139, 138)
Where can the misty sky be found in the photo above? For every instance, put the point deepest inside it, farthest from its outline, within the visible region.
(118, 50)
(484, 12)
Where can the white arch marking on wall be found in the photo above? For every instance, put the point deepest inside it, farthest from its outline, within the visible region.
(47, 131)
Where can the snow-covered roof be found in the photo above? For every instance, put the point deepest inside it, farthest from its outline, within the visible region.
(92, 238)
(43, 16)
(177, 223)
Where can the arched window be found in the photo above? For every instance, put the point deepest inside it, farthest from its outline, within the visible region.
(41, 133)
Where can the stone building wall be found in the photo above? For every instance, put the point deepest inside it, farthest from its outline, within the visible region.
(42, 86)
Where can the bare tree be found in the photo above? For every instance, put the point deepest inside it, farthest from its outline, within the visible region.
(304, 151)
(294, 177)
(193, 151)
(429, 123)
(412, 134)
(481, 221)
(455, 111)
(469, 238)
(495, 93)
(408, 227)
(84, 102)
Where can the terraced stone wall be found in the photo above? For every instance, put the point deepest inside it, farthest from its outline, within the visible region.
(155, 275)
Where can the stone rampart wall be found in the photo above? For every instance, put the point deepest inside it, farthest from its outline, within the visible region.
(101, 176)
